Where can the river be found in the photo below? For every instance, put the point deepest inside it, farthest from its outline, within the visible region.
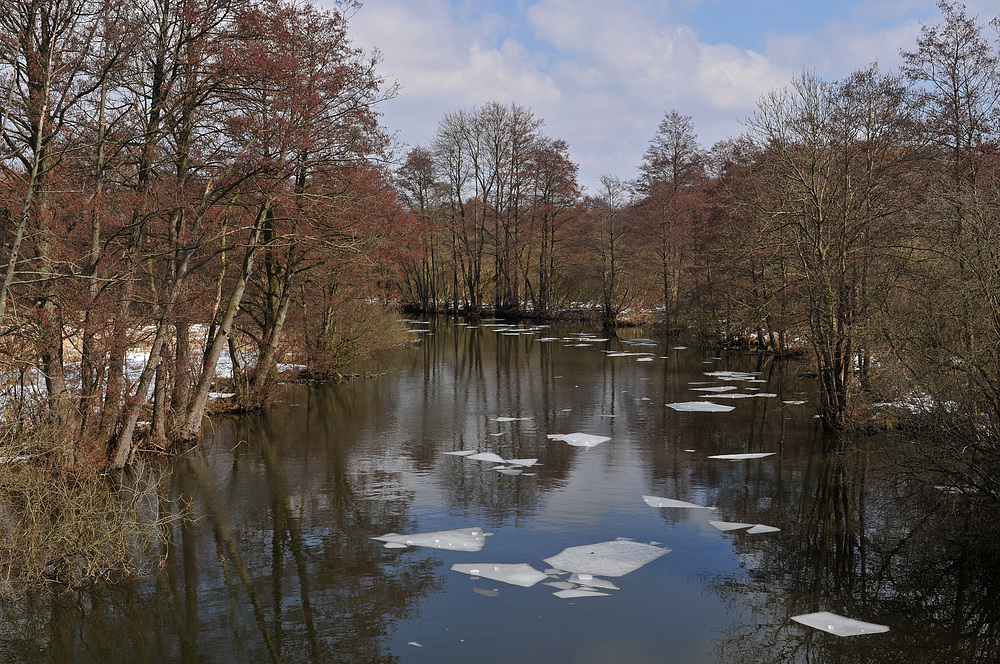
(278, 563)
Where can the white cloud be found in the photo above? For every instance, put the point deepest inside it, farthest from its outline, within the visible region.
(603, 74)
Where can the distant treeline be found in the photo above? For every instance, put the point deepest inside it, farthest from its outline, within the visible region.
(858, 219)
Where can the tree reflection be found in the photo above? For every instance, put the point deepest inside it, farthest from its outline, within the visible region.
(866, 546)
(276, 566)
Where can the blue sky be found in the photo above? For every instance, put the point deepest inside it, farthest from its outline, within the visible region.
(602, 74)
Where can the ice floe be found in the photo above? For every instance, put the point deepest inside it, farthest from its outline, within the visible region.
(613, 558)
(726, 526)
(739, 457)
(510, 419)
(832, 623)
(578, 593)
(760, 529)
(459, 539)
(700, 407)
(655, 501)
(735, 375)
(591, 581)
(716, 388)
(487, 456)
(579, 439)
(517, 574)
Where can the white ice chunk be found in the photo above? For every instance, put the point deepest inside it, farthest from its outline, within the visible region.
(655, 501)
(574, 594)
(462, 452)
(839, 625)
(614, 558)
(560, 585)
(395, 545)
(726, 526)
(511, 419)
(761, 528)
(508, 471)
(459, 539)
(716, 388)
(487, 456)
(522, 462)
(518, 574)
(794, 402)
(579, 439)
(591, 581)
(644, 359)
(700, 407)
(741, 457)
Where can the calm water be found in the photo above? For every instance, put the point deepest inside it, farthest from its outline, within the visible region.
(279, 564)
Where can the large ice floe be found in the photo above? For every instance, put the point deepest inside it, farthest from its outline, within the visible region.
(459, 539)
(579, 439)
(742, 457)
(518, 574)
(656, 501)
(613, 558)
(700, 407)
(839, 625)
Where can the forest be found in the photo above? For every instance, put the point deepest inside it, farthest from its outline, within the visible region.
(184, 183)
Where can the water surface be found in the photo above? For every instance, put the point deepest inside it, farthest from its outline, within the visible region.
(279, 564)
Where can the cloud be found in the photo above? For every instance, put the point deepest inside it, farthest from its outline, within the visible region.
(603, 74)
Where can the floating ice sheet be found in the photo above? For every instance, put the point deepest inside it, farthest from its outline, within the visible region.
(614, 558)
(577, 593)
(715, 388)
(644, 359)
(700, 407)
(839, 625)
(591, 581)
(655, 501)
(795, 402)
(761, 528)
(579, 439)
(511, 419)
(726, 526)
(487, 456)
(459, 539)
(739, 457)
(518, 574)
(735, 375)
(525, 463)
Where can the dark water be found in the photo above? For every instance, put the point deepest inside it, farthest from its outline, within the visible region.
(279, 565)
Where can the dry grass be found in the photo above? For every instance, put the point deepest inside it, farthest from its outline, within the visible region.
(75, 530)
